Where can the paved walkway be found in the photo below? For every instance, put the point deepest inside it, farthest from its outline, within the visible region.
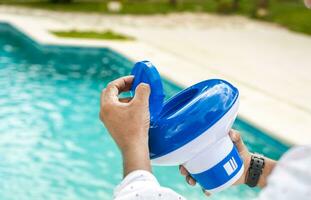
(270, 65)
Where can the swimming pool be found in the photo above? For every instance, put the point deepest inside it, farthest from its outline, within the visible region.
(52, 145)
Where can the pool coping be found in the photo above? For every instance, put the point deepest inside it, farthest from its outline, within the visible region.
(185, 74)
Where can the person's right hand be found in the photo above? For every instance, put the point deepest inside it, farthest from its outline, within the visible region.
(243, 151)
(127, 120)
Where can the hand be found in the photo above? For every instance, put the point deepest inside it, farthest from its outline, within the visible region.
(308, 3)
(243, 151)
(127, 121)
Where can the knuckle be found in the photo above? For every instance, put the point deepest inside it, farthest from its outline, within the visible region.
(235, 131)
(238, 137)
(110, 85)
(106, 108)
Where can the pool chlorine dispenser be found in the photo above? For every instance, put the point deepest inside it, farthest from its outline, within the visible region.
(192, 127)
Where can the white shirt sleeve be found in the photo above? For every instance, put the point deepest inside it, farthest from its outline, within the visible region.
(291, 178)
(142, 185)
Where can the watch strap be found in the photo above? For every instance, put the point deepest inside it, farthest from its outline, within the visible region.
(255, 170)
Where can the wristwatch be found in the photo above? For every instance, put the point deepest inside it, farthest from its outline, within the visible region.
(255, 170)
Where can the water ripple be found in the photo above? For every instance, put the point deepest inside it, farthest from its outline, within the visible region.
(52, 145)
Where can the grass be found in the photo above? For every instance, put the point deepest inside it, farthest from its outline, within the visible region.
(106, 35)
(129, 7)
(291, 14)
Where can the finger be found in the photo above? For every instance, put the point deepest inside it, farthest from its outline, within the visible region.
(206, 192)
(183, 171)
(190, 180)
(237, 140)
(142, 93)
(105, 101)
(117, 86)
(125, 100)
(123, 84)
(102, 97)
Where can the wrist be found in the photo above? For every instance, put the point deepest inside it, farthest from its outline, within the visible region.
(134, 150)
(136, 157)
(255, 170)
(246, 162)
(133, 144)
(267, 165)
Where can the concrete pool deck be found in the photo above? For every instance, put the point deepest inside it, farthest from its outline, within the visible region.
(270, 65)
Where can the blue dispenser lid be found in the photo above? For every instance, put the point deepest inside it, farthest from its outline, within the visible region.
(145, 72)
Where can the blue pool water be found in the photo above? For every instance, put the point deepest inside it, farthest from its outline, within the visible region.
(52, 145)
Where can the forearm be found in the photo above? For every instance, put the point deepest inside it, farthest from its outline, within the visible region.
(136, 157)
(269, 166)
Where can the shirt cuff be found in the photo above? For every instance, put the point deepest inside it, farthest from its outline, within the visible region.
(136, 177)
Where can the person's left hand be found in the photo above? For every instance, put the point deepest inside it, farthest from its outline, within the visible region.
(243, 151)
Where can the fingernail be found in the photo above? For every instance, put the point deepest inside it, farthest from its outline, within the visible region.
(144, 85)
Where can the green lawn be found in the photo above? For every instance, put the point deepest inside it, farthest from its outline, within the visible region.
(107, 35)
(293, 16)
(288, 13)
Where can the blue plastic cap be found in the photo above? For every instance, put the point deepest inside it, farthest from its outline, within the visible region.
(145, 72)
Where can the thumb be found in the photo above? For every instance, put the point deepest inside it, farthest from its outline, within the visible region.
(237, 140)
(142, 93)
